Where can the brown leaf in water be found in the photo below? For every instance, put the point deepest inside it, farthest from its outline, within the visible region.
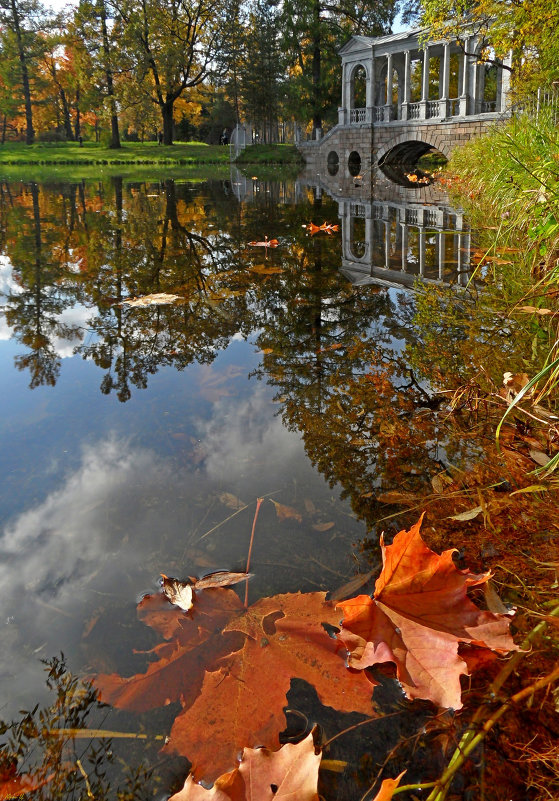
(394, 496)
(231, 668)
(242, 700)
(351, 586)
(286, 512)
(264, 775)
(231, 501)
(535, 310)
(419, 615)
(220, 578)
(14, 785)
(323, 526)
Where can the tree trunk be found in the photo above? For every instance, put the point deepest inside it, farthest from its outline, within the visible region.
(316, 69)
(29, 130)
(167, 115)
(77, 126)
(115, 135)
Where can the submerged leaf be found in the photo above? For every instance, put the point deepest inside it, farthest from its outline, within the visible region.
(469, 515)
(220, 578)
(286, 512)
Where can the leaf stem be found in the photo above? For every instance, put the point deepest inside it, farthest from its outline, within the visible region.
(258, 504)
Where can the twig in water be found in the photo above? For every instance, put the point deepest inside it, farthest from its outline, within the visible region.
(258, 504)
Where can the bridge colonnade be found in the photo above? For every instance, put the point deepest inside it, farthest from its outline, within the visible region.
(405, 77)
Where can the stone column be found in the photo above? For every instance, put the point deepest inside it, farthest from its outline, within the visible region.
(388, 100)
(342, 116)
(370, 93)
(465, 83)
(424, 85)
(404, 246)
(475, 83)
(445, 83)
(421, 251)
(407, 84)
(504, 85)
(387, 245)
(441, 244)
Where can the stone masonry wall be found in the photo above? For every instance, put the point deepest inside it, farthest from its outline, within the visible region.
(373, 142)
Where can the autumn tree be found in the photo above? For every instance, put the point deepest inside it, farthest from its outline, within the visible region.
(526, 29)
(93, 23)
(171, 47)
(21, 22)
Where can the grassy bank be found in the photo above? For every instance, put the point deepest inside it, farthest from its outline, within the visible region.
(92, 153)
(509, 179)
(180, 153)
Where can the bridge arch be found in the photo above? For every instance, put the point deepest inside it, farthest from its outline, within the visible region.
(408, 147)
(358, 81)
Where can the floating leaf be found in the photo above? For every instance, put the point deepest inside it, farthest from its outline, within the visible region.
(264, 775)
(179, 593)
(419, 615)
(469, 515)
(156, 299)
(220, 578)
(394, 496)
(286, 512)
(231, 669)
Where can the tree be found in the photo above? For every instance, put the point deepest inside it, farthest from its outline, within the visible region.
(171, 47)
(313, 32)
(98, 37)
(262, 73)
(526, 29)
(22, 20)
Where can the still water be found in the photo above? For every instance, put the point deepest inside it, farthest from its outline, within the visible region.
(135, 440)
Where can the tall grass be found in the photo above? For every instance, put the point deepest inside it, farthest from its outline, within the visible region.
(509, 182)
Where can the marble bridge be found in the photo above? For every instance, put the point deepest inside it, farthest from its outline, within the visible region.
(403, 96)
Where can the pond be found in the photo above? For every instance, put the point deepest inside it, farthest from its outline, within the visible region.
(136, 439)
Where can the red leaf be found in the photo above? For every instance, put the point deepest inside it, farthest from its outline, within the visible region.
(418, 616)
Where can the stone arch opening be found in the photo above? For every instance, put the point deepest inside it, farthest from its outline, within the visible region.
(333, 163)
(407, 154)
(354, 163)
(358, 87)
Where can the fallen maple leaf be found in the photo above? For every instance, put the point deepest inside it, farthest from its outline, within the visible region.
(156, 299)
(231, 669)
(264, 775)
(242, 700)
(418, 616)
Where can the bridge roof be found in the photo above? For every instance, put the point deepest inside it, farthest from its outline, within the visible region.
(360, 43)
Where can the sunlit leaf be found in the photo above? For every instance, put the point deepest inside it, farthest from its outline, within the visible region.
(179, 593)
(417, 618)
(264, 775)
(387, 788)
(156, 299)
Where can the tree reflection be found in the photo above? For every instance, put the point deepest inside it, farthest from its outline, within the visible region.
(43, 751)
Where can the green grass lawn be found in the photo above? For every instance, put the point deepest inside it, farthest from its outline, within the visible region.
(91, 153)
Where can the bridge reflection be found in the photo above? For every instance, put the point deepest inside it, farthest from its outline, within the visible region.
(392, 235)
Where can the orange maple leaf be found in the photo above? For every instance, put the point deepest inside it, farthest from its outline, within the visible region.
(231, 669)
(417, 618)
(263, 775)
